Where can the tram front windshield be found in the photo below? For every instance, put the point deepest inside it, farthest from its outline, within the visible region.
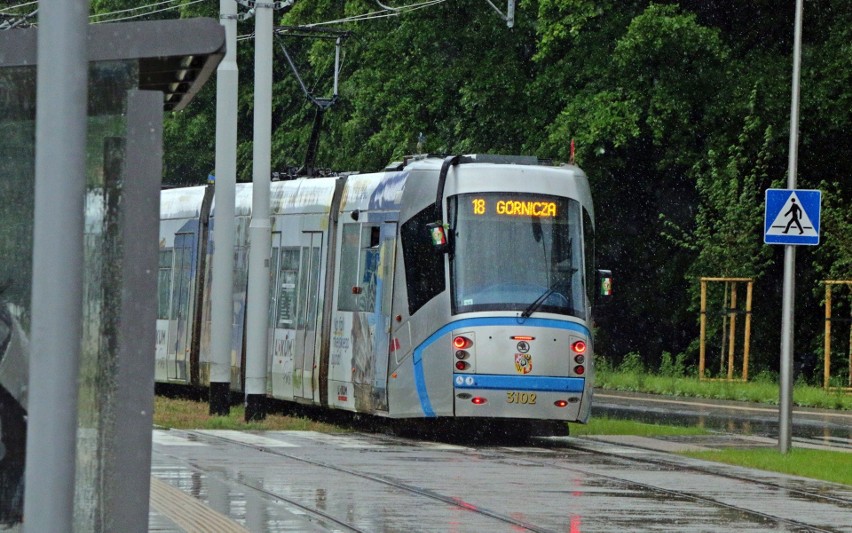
(518, 252)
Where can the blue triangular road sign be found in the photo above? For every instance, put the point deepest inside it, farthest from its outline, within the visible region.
(792, 216)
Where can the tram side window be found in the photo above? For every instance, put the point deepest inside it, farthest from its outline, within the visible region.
(359, 258)
(240, 270)
(164, 284)
(180, 294)
(346, 299)
(424, 267)
(589, 251)
(309, 283)
(287, 289)
(368, 264)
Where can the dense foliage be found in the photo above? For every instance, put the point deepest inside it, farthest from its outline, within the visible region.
(680, 111)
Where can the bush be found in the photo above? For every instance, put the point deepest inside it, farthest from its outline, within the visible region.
(673, 369)
(765, 376)
(631, 364)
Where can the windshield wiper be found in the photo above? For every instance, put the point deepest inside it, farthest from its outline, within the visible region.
(537, 303)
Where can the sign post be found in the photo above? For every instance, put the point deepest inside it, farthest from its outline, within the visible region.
(791, 218)
(785, 415)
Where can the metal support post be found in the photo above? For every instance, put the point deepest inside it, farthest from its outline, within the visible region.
(128, 462)
(788, 301)
(826, 369)
(702, 349)
(747, 340)
(222, 293)
(732, 333)
(257, 320)
(785, 421)
(57, 286)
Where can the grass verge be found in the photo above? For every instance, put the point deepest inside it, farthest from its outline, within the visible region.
(179, 413)
(824, 465)
(755, 391)
(817, 464)
(614, 426)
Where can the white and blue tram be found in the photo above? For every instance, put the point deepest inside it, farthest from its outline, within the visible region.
(457, 287)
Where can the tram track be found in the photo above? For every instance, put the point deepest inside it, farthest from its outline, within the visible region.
(381, 479)
(683, 464)
(312, 514)
(544, 455)
(680, 465)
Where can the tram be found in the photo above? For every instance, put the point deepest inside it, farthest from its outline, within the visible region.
(457, 287)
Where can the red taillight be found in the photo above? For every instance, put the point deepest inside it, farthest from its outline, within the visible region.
(462, 365)
(462, 342)
(579, 347)
(522, 338)
(579, 370)
(560, 403)
(478, 400)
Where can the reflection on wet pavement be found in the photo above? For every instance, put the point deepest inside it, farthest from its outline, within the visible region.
(731, 417)
(303, 481)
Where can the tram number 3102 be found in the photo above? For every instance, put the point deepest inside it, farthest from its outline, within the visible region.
(521, 397)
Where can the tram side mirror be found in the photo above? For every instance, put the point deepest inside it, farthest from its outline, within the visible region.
(438, 236)
(603, 287)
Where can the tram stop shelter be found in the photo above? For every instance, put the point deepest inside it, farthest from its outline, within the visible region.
(136, 71)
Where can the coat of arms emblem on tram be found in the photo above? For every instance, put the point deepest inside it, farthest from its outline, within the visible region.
(523, 363)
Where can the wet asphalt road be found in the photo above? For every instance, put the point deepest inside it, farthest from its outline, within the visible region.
(830, 427)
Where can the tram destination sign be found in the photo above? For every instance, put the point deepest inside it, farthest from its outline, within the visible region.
(514, 207)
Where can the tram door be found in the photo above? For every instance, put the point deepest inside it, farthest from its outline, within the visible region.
(180, 329)
(360, 343)
(384, 288)
(276, 278)
(306, 319)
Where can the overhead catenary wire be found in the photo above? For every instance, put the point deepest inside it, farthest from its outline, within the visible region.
(389, 8)
(385, 13)
(13, 21)
(379, 14)
(309, 92)
(138, 12)
(132, 9)
(12, 8)
(145, 14)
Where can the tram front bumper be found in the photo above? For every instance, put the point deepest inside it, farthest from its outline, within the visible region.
(531, 397)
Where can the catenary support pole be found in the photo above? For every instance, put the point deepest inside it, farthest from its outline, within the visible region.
(222, 294)
(257, 321)
(57, 285)
(785, 422)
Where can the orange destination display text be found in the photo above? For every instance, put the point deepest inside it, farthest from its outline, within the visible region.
(517, 208)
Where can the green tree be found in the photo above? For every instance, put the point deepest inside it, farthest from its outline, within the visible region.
(727, 232)
(678, 108)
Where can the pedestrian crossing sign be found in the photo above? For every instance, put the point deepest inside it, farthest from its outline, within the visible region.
(792, 217)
